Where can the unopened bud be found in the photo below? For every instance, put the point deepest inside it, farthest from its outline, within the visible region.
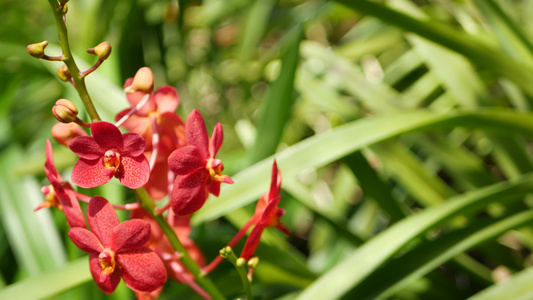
(63, 73)
(37, 50)
(142, 82)
(63, 1)
(103, 50)
(65, 111)
(65, 133)
(253, 262)
(240, 262)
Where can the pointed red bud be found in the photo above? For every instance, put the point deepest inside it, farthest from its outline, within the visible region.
(37, 50)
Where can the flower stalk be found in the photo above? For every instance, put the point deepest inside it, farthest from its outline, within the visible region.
(148, 204)
(68, 59)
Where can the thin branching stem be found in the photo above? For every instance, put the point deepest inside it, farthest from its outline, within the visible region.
(148, 204)
(79, 81)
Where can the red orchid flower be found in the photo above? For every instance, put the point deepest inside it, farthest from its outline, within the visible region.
(197, 170)
(268, 214)
(160, 244)
(157, 122)
(109, 153)
(116, 250)
(60, 194)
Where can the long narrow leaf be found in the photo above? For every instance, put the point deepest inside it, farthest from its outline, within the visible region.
(377, 251)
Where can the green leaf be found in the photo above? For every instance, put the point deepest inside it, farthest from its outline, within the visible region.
(276, 107)
(50, 283)
(373, 254)
(426, 257)
(322, 149)
(517, 287)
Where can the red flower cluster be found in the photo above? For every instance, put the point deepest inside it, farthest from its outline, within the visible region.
(163, 155)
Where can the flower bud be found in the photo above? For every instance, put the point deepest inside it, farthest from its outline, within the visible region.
(65, 111)
(253, 262)
(103, 50)
(240, 262)
(65, 133)
(63, 73)
(142, 82)
(37, 50)
(63, 1)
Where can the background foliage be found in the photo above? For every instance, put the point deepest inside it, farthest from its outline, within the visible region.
(402, 129)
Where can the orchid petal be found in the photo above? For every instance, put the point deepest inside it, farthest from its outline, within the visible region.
(89, 173)
(130, 234)
(49, 166)
(135, 171)
(111, 282)
(142, 269)
(189, 192)
(86, 147)
(214, 188)
(71, 206)
(216, 140)
(186, 160)
(196, 133)
(107, 135)
(102, 219)
(85, 240)
(167, 99)
(134, 144)
(275, 182)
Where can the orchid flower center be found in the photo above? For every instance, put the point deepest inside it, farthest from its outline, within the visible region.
(106, 259)
(215, 167)
(112, 160)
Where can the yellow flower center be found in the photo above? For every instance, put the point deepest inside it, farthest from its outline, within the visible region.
(106, 259)
(112, 161)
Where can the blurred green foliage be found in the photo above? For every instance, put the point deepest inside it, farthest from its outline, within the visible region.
(402, 130)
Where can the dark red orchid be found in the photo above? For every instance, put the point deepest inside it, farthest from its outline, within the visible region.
(109, 153)
(268, 214)
(116, 250)
(198, 172)
(157, 118)
(60, 194)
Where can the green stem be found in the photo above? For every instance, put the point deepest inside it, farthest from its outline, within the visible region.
(148, 204)
(239, 264)
(79, 81)
(480, 53)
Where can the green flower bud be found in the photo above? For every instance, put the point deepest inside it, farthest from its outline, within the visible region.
(253, 262)
(37, 50)
(63, 73)
(65, 111)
